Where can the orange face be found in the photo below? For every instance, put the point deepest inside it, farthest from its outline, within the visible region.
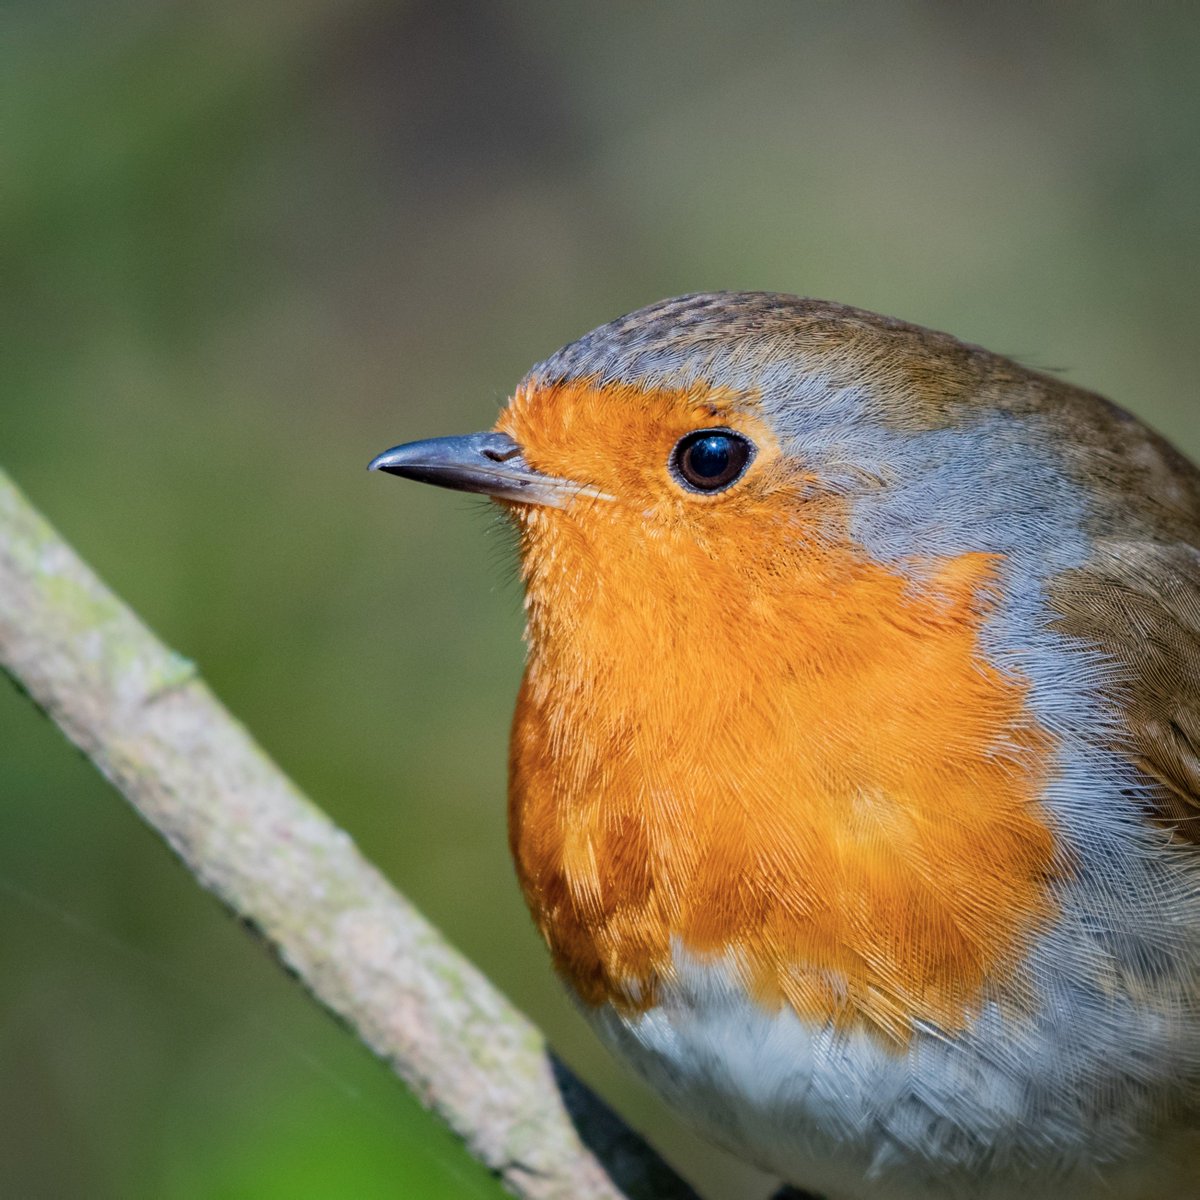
(740, 737)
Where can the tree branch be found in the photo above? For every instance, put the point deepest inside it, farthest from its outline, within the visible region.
(143, 716)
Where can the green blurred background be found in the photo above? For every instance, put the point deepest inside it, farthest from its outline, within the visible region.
(245, 244)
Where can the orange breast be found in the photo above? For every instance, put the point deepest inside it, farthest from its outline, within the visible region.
(771, 750)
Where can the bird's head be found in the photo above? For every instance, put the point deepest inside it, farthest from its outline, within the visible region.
(699, 462)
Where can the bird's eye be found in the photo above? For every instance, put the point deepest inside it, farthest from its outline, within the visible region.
(710, 460)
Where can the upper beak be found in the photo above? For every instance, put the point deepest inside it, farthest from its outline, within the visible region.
(489, 463)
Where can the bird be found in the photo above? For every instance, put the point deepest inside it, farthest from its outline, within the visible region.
(854, 777)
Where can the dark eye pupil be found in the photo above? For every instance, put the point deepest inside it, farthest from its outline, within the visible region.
(711, 459)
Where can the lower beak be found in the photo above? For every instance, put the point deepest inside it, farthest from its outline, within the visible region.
(488, 463)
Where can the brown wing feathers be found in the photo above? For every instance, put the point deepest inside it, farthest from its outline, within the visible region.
(1138, 603)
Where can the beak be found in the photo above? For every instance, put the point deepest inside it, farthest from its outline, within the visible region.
(488, 463)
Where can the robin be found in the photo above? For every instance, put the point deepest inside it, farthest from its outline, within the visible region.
(855, 772)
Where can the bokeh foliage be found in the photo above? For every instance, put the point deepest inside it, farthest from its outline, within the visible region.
(244, 244)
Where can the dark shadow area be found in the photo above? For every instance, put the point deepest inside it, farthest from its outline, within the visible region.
(640, 1175)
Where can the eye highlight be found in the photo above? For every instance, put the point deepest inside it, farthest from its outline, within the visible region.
(710, 460)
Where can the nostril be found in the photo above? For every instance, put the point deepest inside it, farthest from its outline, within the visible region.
(501, 448)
